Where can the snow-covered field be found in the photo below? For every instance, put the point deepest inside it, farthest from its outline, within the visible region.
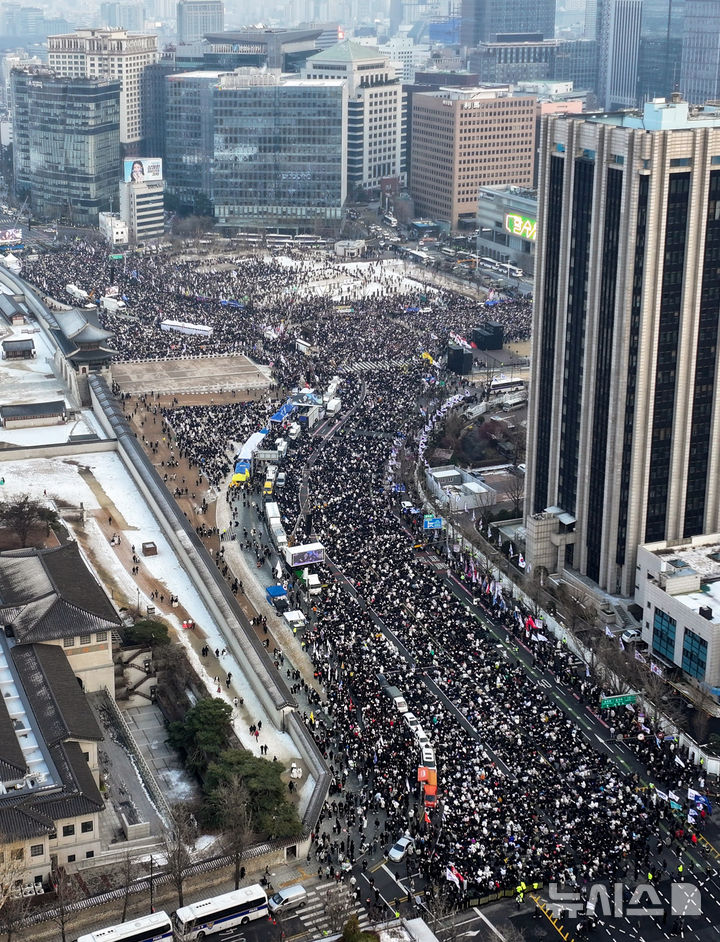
(61, 480)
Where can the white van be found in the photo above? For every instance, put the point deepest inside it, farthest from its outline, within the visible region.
(284, 901)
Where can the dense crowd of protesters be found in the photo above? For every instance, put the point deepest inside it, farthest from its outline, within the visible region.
(523, 794)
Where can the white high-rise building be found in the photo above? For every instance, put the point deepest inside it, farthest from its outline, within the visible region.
(376, 103)
(112, 53)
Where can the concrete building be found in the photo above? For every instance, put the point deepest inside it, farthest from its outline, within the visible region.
(677, 587)
(283, 49)
(142, 210)
(196, 18)
(624, 438)
(618, 53)
(113, 54)
(463, 139)
(487, 20)
(700, 68)
(55, 117)
(536, 59)
(113, 229)
(507, 225)
(375, 139)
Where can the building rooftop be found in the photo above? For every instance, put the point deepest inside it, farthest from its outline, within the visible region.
(662, 114)
(38, 410)
(47, 595)
(348, 51)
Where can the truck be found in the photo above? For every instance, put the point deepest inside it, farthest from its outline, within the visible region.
(294, 432)
(279, 535)
(313, 583)
(272, 513)
(76, 292)
(112, 304)
(395, 694)
(270, 475)
(333, 406)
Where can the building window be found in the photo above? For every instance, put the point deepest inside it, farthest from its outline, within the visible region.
(71, 858)
(85, 639)
(694, 656)
(86, 827)
(68, 642)
(89, 854)
(101, 636)
(664, 634)
(68, 830)
(36, 850)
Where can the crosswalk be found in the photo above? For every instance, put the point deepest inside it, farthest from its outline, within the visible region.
(329, 907)
(374, 366)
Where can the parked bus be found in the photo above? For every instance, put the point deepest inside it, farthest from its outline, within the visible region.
(156, 927)
(220, 913)
(501, 384)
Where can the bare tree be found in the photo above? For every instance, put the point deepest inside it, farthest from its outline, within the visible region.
(128, 871)
(232, 803)
(12, 871)
(67, 892)
(13, 913)
(515, 492)
(338, 907)
(178, 842)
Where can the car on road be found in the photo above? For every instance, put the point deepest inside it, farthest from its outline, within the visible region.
(631, 636)
(399, 850)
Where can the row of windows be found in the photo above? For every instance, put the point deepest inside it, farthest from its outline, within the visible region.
(85, 639)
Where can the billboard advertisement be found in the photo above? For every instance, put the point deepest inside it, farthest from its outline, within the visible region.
(142, 170)
(522, 226)
(11, 236)
(305, 555)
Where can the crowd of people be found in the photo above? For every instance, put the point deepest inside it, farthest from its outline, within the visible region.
(523, 795)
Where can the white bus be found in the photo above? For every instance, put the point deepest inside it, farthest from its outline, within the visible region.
(152, 928)
(219, 913)
(502, 384)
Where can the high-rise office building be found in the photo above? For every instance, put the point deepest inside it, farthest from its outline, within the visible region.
(375, 111)
(485, 21)
(195, 18)
(129, 16)
(623, 436)
(660, 53)
(66, 150)
(700, 69)
(618, 53)
(116, 54)
(261, 149)
(465, 138)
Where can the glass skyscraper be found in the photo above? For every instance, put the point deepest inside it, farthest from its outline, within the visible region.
(66, 152)
(483, 21)
(267, 150)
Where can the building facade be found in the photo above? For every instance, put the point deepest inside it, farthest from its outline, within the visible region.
(660, 53)
(257, 148)
(195, 18)
(114, 54)
(618, 53)
(142, 209)
(376, 101)
(189, 138)
(129, 16)
(463, 139)
(66, 153)
(700, 68)
(677, 588)
(536, 60)
(484, 21)
(507, 225)
(280, 151)
(624, 437)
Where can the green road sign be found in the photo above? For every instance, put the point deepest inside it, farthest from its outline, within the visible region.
(607, 702)
(117, 258)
